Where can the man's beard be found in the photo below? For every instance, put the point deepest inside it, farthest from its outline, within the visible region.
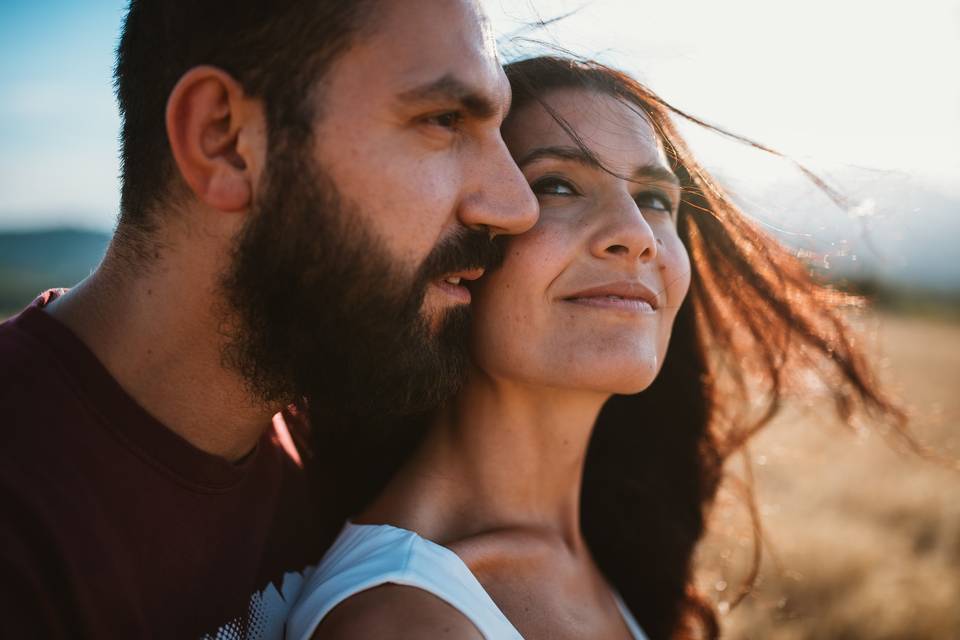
(317, 314)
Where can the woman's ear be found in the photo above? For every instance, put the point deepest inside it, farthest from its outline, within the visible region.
(218, 138)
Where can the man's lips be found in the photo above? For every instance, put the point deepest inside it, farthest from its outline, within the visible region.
(453, 284)
(466, 274)
(625, 295)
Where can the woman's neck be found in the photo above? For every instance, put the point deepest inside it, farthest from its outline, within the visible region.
(502, 455)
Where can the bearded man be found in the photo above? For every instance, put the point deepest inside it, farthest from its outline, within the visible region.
(307, 186)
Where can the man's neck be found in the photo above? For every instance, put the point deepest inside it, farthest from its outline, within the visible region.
(157, 332)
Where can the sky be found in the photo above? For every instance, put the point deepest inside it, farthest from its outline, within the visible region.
(58, 117)
(863, 90)
(841, 81)
(865, 93)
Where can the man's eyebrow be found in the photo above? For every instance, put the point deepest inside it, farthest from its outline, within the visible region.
(576, 154)
(448, 87)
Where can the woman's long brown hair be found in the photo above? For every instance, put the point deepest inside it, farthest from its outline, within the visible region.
(754, 324)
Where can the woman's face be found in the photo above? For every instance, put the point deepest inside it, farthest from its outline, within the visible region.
(587, 298)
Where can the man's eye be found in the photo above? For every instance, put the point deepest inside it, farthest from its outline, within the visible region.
(553, 187)
(446, 120)
(654, 200)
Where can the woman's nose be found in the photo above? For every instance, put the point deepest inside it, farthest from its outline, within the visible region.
(624, 232)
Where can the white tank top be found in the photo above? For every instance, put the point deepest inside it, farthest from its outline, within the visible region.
(366, 556)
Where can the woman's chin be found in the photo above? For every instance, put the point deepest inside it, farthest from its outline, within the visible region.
(620, 383)
(633, 387)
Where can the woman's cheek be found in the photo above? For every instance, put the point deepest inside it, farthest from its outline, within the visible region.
(501, 307)
(675, 265)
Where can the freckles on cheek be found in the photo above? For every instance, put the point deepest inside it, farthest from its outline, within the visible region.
(538, 257)
(675, 270)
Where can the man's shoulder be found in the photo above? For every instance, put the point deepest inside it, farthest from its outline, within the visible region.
(35, 386)
(16, 346)
(25, 347)
(31, 382)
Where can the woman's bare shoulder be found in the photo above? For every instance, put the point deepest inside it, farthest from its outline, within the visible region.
(396, 612)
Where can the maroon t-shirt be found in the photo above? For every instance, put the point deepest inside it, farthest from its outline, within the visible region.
(113, 526)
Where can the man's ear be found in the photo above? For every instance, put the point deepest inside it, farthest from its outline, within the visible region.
(218, 138)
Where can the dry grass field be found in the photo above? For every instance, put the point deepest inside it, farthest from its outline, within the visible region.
(860, 541)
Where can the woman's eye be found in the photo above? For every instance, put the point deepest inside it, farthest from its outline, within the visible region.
(653, 200)
(553, 187)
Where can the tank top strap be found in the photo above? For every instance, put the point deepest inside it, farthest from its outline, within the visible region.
(628, 618)
(367, 556)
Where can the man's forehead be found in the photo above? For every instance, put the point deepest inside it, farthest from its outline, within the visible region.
(488, 35)
(425, 40)
(421, 49)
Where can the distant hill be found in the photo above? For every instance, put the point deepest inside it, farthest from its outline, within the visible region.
(33, 261)
(902, 234)
(909, 261)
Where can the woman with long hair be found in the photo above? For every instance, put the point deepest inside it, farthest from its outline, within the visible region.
(619, 357)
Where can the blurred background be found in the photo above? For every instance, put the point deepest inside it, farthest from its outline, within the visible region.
(860, 540)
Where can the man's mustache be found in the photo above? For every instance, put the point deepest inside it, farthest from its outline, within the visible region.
(468, 249)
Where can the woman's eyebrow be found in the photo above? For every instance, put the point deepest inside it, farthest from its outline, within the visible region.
(656, 173)
(559, 152)
(653, 172)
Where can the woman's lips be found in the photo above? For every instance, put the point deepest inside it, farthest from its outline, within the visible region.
(614, 302)
(623, 295)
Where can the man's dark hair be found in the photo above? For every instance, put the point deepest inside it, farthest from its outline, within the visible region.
(276, 49)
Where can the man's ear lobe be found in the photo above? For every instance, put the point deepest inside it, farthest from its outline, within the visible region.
(216, 135)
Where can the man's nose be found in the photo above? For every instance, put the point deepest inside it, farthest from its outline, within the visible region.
(501, 201)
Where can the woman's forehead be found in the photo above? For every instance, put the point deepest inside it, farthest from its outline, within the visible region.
(618, 133)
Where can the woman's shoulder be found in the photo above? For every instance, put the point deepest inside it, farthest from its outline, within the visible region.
(377, 577)
(395, 611)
